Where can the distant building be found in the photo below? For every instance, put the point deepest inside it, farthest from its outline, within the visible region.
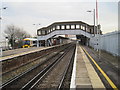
(4, 44)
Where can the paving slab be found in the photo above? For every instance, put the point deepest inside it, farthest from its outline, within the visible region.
(86, 76)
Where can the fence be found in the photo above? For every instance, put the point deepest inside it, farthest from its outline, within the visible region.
(108, 42)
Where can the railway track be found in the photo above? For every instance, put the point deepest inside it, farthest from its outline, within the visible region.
(28, 78)
(13, 62)
(55, 75)
(9, 74)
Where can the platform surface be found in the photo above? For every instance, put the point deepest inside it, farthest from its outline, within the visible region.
(85, 75)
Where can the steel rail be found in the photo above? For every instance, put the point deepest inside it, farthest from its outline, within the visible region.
(65, 72)
(26, 63)
(24, 73)
(23, 65)
(30, 85)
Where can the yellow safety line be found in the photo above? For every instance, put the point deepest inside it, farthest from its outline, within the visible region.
(106, 77)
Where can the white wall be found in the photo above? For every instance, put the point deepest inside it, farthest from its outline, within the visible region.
(108, 42)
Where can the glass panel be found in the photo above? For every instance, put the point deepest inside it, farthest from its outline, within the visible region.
(43, 32)
(62, 27)
(58, 27)
(39, 32)
(81, 27)
(53, 28)
(72, 26)
(67, 26)
(77, 26)
(27, 42)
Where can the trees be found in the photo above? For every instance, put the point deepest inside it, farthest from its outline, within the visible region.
(15, 35)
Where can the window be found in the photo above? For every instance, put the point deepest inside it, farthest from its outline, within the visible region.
(49, 30)
(43, 32)
(39, 32)
(53, 28)
(78, 26)
(62, 27)
(58, 27)
(86, 28)
(72, 26)
(27, 42)
(67, 26)
(83, 28)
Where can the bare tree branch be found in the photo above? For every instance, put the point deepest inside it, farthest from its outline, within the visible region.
(15, 35)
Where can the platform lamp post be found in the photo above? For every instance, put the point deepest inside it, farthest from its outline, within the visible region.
(36, 33)
(1, 54)
(93, 19)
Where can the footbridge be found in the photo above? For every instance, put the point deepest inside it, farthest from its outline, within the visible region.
(62, 28)
(82, 31)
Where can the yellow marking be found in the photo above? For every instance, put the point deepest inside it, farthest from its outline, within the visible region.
(106, 77)
(26, 46)
(26, 39)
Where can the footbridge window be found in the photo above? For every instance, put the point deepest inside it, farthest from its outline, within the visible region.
(72, 26)
(81, 27)
(86, 27)
(43, 32)
(67, 26)
(53, 28)
(49, 30)
(77, 26)
(62, 27)
(39, 32)
(57, 27)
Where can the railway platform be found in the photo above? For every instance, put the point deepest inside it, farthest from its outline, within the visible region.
(106, 65)
(92, 71)
(84, 75)
(18, 52)
(22, 51)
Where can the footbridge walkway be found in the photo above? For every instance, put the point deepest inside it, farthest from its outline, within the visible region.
(70, 28)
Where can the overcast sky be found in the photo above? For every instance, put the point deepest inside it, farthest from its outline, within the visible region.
(25, 14)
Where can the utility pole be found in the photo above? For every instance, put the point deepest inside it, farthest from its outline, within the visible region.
(36, 33)
(1, 53)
